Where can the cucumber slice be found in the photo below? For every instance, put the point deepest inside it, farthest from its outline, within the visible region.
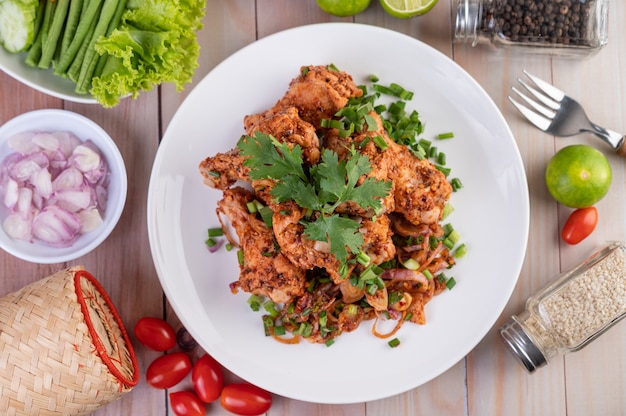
(17, 24)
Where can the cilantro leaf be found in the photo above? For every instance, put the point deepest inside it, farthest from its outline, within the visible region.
(293, 188)
(340, 232)
(268, 158)
(321, 188)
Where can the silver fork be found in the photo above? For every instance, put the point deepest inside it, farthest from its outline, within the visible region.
(554, 112)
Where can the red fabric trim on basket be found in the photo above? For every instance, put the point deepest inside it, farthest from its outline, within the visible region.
(97, 342)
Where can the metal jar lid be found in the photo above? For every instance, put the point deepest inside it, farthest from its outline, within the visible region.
(522, 346)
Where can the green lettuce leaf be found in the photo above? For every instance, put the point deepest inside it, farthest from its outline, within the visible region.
(155, 43)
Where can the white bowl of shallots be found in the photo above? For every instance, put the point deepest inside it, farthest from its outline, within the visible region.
(63, 186)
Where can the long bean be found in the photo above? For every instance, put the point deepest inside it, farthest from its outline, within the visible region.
(74, 70)
(34, 52)
(54, 32)
(115, 22)
(91, 12)
(91, 56)
(73, 17)
(47, 20)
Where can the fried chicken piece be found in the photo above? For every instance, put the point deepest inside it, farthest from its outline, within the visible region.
(287, 127)
(420, 190)
(377, 242)
(265, 271)
(224, 169)
(301, 251)
(318, 93)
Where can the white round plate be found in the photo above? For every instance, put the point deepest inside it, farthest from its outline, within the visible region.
(42, 80)
(491, 214)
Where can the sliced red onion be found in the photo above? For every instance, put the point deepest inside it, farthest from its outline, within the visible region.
(90, 219)
(70, 178)
(42, 182)
(54, 185)
(404, 274)
(18, 227)
(56, 226)
(86, 158)
(10, 190)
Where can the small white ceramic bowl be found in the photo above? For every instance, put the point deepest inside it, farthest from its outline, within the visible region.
(51, 120)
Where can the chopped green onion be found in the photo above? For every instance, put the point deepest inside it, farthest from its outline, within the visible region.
(368, 275)
(228, 247)
(255, 302)
(372, 289)
(394, 343)
(373, 78)
(240, 257)
(450, 283)
(268, 322)
(446, 171)
(433, 242)
(448, 135)
(447, 210)
(330, 342)
(428, 274)
(433, 152)
(460, 251)
(411, 264)
(395, 297)
(441, 158)
(456, 184)
(252, 208)
(210, 242)
(332, 67)
(408, 316)
(266, 214)
(270, 307)
(214, 173)
(215, 232)
(363, 259)
(454, 236)
(279, 330)
(380, 142)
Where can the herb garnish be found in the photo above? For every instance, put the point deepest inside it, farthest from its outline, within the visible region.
(320, 189)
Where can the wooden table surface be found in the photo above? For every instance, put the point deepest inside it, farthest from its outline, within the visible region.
(488, 381)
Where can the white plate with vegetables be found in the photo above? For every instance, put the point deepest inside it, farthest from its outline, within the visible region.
(491, 213)
(84, 51)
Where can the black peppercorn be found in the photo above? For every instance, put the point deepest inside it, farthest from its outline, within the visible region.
(566, 24)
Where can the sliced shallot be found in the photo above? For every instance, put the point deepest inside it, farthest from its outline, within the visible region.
(54, 185)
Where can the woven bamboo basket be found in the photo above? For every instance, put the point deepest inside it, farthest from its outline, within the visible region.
(63, 348)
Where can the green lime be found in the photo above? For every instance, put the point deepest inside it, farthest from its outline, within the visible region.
(405, 9)
(578, 176)
(343, 8)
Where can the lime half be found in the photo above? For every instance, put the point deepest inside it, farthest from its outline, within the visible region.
(405, 9)
(343, 8)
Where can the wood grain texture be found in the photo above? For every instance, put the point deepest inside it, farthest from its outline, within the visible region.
(488, 381)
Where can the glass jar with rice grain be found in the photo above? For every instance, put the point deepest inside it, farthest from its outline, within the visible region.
(569, 28)
(569, 313)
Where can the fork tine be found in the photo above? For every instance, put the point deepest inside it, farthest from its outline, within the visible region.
(539, 121)
(549, 89)
(549, 102)
(546, 112)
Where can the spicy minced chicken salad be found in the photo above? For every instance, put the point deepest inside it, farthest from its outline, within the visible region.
(342, 220)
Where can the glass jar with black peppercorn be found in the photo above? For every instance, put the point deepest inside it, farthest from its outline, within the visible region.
(573, 28)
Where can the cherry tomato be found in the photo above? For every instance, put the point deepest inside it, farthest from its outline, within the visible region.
(245, 399)
(185, 403)
(168, 370)
(579, 225)
(155, 333)
(208, 378)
